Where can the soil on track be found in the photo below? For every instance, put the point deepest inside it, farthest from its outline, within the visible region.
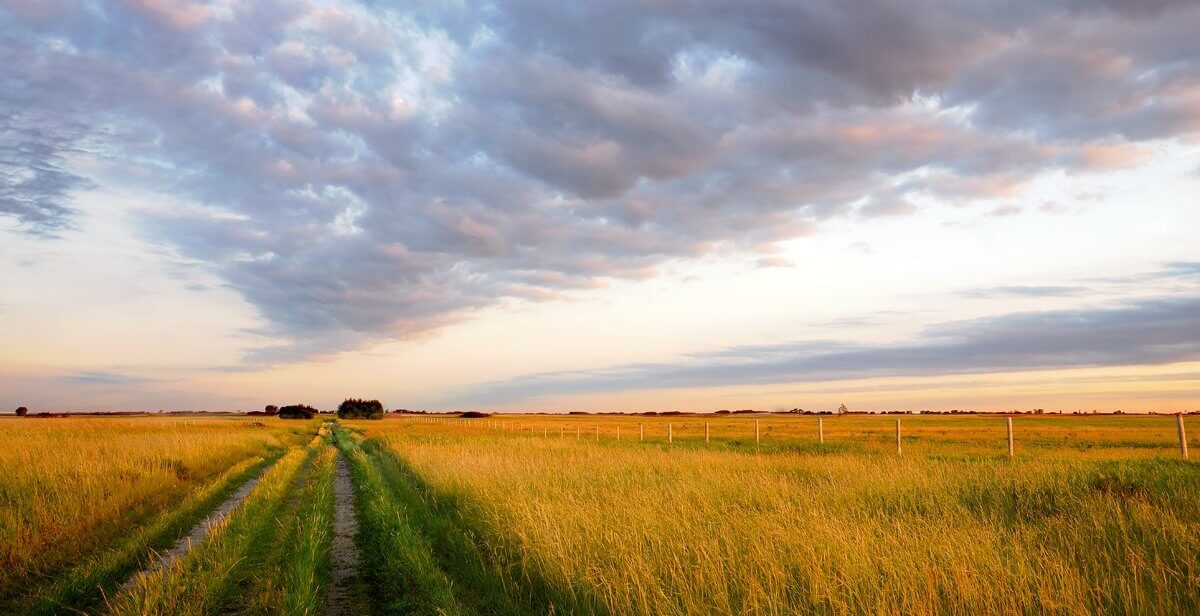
(342, 598)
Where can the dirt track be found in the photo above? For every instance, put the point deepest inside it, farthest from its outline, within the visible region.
(345, 551)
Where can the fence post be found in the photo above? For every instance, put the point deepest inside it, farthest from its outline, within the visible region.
(670, 433)
(561, 430)
(757, 436)
(597, 432)
(706, 432)
(897, 436)
(820, 430)
(545, 431)
(641, 432)
(1182, 434)
(576, 432)
(618, 433)
(1008, 423)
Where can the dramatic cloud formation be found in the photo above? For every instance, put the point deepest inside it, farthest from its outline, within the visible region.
(1150, 332)
(361, 173)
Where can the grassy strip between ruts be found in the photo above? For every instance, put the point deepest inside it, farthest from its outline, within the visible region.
(84, 585)
(399, 560)
(291, 573)
(203, 580)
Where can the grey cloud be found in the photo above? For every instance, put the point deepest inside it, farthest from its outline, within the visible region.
(35, 186)
(94, 377)
(1151, 332)
(361, 173)
(1027, 291)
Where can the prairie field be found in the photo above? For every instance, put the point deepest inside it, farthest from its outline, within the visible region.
(1093, 514)
(73, 489)
(599, 514)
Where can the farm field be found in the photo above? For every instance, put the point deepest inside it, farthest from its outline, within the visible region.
(520, 514)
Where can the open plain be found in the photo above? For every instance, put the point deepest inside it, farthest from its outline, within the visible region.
(598, 514)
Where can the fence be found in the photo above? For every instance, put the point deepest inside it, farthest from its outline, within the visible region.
(706, 428)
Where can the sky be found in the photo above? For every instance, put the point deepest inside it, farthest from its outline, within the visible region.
(606, 206)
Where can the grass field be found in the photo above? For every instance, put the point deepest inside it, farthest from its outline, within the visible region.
(554, 514)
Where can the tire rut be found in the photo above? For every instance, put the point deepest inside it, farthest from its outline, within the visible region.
(164, 560)
(342, 599)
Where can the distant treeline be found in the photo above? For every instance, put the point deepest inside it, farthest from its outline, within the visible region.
(355, 408)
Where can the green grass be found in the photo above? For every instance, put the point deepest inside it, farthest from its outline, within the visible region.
(1094, 515)
(290, 574)
(401, 569)
(211, 577)
(85, 585)
(790, 526)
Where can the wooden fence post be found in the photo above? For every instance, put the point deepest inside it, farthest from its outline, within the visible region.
(897, 436)
(618, 433)
(597, 432)
(670, 433)
(757, 436)
(641, 432)
(820, 430)
(1008, 423)
(576, 432)
(1182, 434)
(545, 431)
(706, 432)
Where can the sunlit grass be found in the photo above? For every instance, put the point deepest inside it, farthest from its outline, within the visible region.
(1093, 515)
(220, 572)
(72, 486)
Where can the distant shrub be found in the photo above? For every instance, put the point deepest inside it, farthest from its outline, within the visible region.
(723, 412)
(297, 411)
(474, 415)
(354, 408)
(271, 409)
(22, 411)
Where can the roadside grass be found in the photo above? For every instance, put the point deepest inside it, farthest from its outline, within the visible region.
(636, 528)
(74, 487)
(291, 575)
(398, 561)
(84, 586)
(208, 576)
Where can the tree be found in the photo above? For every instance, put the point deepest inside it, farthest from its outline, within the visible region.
(271, 409)
(297, 411)
(355, 408)
(22, 411)
(842, 409)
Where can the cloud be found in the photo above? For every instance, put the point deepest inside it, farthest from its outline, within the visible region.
(97, 377)
(1005, 210)
(361, 173)
(1027, 291)
(35, 186)
(1155, 331)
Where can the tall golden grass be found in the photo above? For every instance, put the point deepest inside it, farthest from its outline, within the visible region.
(71, 485)
(1093, 515)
